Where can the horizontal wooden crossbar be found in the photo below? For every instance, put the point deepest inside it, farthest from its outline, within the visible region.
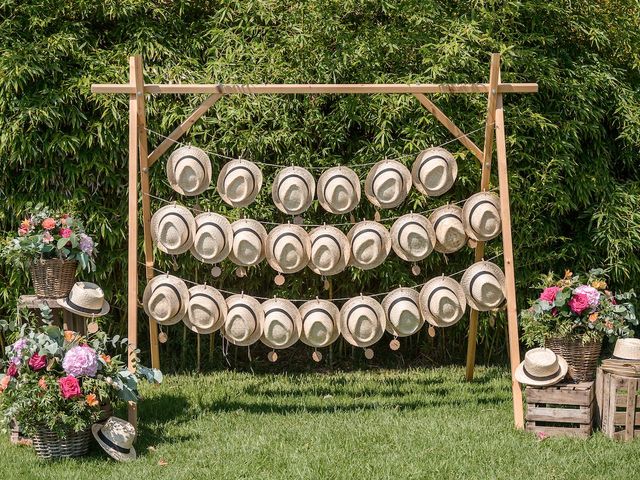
(361, 88)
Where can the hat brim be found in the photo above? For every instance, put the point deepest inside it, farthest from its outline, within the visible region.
(65, 304)
(217, 296)
(387, 302)
(256, 307)
(382, 254)
(183, 291)
(333, 312)
(255, 172)
(292, 311)
(299, 233)
(426, 290)
(466, 280)
(433, 218)
(224, 224)
(344, 328)
(119, 456)
(191, 225)
(452, 167)
(178, 154)
(522, 377)
(395, 236)
(307, 178)
(324, 179)
(467, 209)
(406, 179)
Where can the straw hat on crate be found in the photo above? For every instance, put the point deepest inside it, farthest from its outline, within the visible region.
(388, 184)
(239, 182)
(541, 367)
(85, 299)
(189, 171)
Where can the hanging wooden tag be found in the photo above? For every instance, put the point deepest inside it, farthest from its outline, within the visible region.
(326, 284)
(216, 271)
(279, 279)
(416, 269)
(394, 344)
(162, 337)
(352, 218)
(93, 327)
(492, 321)
(376, 216)
(272, 356)
(175, 264)
(317, 356)
(368, 353)
(298, 220)
(241, 272)
(432, 331)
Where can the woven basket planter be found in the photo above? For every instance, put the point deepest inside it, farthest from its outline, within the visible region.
(53, 278)
(582, 358)
(48, 444)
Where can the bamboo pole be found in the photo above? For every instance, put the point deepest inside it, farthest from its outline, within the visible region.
(132, 254)
(494, 75)
(509, 268)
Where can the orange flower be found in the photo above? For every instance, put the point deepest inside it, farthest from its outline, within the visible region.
(42, 383)
(105, 357)
(69, 335)
(4, 383)
(26, 224)
(92, 400)
(599, 284)
(48, 223)
(568, 274)
(593, 317)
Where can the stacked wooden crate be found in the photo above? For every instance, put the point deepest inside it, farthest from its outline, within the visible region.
(618, 405)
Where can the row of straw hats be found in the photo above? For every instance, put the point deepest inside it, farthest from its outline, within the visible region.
(362, 320)
(294, 188)
(326, 250)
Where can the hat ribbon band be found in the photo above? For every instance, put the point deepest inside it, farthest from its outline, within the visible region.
(385, 170)
(361, 305)
(292, 175)
(250, 230)
(442, 217)
(330, 237)
(539, 378)
(176, 214)
(317, 310)
(476, 276)
(208, 297)
(437, 289)
(398, 300)
(427, 160)
(411, 222)
(287, 234)
(83, 309)
(247, 169)
(473, 209)
(279, 310)
(367, 230)
(110, 444)
(217, 227)
(324, 190)
(189, 157)
(175, 290)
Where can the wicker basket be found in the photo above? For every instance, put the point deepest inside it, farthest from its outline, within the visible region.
(48, 444)
(582, 358)
(53, 278)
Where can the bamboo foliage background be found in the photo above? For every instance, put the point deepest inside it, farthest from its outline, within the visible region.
(572, 148)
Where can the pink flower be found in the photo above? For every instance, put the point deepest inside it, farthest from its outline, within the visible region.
(579, 303)
(48, 223)
(549, 294)
(65, 232)
(12, 371)
(23, 231)
(37, 362)
(69, 387)
(47, 237)
(81, 361)
(592, 294)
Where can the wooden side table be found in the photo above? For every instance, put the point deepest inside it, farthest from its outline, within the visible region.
(64, 318)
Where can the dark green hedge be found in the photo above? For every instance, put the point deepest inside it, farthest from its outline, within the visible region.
(572, 148)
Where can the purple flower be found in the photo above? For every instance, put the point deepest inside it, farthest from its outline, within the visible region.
(17, 349)
(81, 361)
(86, 243)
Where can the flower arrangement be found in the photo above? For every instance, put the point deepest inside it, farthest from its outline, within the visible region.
(577, 307)
(61, 380)
(45, 235)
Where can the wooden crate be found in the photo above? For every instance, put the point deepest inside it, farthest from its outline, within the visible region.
(618, 405)
(561, 409)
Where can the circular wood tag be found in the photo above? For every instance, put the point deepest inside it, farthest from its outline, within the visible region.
(326, 285)
(279, 279)
(317, 356)
(162, 337)
(298, 220)
(368, 353)
(216, 271)
(241, 272)
(416, 270)
(272, 356)
(394, 344)
(93, 327)
(432, 331)
(175, 264)
(352, 218)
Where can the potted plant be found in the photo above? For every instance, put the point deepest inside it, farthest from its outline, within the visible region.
(573, 315)
(57, 383)
(52, 245)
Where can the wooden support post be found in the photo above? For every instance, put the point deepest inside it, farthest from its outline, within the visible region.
(509, 269)
(146, 201)
(494, 76)
(132, 256)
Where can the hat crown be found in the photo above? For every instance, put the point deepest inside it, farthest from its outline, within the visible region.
(238, 185)
(370, 244)
(404, 315)
(541, 362)
(87, 295)
(174, 232)
(362, 323)
(451, 232)
(203, 311)
(189, 175)
(164, 302)
(486, 289)
(433, 173)
(445, 305)
(289, 251)
(119, 432)
(278, 327)
(627, 349)
(238, 326)
(248, 242)
(324, 255)
(414, 238)
(318, 327)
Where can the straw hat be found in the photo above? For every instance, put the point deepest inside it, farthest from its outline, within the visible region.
(213, 238)
(288, 248)
(541, 367)
(166, 299)
(207, 309)
(447, 223)
(483, 285)
(370, 244)
(189, 171)
(85, 299)
(481, 216)
(402, 309)
(249, 239)
(245, 317)
(173, 228)
(293, 190)
(116, 437)
(388, 184)
(362, 321)
(434, 171)
(239, 182)
(320, 323)
(412, 237)
(442, 301)
(282, 323)
(627, 349)
(330, 250)
(339, 190)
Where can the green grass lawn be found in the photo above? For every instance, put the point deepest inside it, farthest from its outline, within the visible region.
(368, 424)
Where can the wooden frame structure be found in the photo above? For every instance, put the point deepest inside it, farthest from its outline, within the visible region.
(140, 158)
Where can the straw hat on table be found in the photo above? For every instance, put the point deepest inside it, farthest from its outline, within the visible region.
(85, 299)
